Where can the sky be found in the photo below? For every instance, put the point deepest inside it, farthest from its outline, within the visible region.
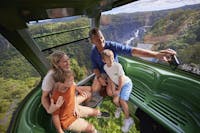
(151, 5)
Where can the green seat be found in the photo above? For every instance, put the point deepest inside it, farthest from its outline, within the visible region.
(32, 117)
(172, 98)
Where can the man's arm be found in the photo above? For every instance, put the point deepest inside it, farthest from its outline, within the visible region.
(143, 53)
(162, 55)
(56, 121)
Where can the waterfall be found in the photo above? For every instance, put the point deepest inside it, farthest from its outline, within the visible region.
(136, 39)
(136, 36)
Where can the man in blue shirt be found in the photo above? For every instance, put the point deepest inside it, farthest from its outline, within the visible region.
(97, 39)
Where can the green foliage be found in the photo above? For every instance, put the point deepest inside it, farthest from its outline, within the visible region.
(81, 53)
(190, 54)
(110, 125)
(175, 22)
(79, 71)
(61, 38)
(185, 26)
(15, 66)
(12, 93)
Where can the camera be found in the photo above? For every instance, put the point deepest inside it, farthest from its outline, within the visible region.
(174, 61)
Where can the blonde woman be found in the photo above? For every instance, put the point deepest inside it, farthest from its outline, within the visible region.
(60, 62)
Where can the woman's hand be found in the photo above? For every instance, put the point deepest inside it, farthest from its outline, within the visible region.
(54, 106)
(81, 92)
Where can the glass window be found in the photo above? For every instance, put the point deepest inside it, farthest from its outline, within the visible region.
(176, 29)
(69, 34)
(17, 79)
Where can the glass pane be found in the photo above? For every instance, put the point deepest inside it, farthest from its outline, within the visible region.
(17, 79)
(176, 29)
(68, 35)
(53, 32)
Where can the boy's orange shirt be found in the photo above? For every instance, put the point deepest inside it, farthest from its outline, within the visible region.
(66, 111)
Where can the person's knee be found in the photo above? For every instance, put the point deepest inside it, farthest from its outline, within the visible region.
(115, 101)
(90, 129)
(121, 101)
(95, 86)
(109, 91)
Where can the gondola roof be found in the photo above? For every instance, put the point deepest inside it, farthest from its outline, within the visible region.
(15, 14)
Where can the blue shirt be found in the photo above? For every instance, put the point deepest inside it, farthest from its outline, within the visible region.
(116, 48)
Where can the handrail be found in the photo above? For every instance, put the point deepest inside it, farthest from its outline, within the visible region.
(47, 49)
(60, 32)
(84, 81)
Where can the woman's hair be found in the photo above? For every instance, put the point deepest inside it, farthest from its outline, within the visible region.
(55, 58)
(106, 53)
(61, 76)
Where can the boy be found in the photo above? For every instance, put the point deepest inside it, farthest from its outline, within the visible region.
(68, 116)
(123, 87)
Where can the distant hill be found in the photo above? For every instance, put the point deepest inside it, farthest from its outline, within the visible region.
(180, 31)
(122, 26)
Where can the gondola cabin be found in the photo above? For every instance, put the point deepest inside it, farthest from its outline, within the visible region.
(164, 99)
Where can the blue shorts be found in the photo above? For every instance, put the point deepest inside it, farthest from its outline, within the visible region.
(126, 91)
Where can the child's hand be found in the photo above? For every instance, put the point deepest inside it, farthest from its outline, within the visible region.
(76, 112)
(53, 107)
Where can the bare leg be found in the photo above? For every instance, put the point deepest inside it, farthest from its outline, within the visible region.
(96, 86)
(88, 90)
(116, 101)
(80, 99)
(110, 87)
(90, 129)
(85, 88)
(97, 93)
(81, 125)
(124, 105)
(87, 111)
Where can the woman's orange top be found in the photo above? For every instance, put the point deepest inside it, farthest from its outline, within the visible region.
(66, 111)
